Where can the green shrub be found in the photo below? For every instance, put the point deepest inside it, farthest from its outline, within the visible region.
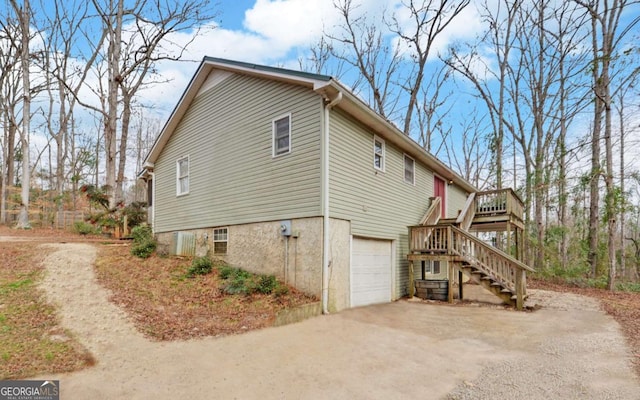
(226, 271)
(144, 244)
(143, 250)
(200, 266)
(240, 281)
(83, 228)
(281, 290)
(267, 284)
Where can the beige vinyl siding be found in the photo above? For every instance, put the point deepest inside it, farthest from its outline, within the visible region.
(378, 204)
(227, 134)
(456, 201)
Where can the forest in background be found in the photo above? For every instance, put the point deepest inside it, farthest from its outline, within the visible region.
(549, 106)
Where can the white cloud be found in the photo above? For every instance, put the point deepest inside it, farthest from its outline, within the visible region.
(290, 23)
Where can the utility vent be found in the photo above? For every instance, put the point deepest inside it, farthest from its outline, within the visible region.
(184, 244)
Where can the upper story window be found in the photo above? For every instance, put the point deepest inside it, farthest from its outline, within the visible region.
(378, 153)
(409, 170)
(182, 176)
(282, 135)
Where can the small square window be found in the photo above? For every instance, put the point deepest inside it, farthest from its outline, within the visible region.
(432, 267)
(282, 135)
(182, 176)
(220, 240)
(409, 169)
(378, 153)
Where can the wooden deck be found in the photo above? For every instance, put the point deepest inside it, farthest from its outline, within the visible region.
(452, 240)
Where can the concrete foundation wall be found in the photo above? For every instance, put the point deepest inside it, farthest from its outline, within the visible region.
(260, 248)
(339, 270)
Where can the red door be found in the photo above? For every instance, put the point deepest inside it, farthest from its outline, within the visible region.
(439, 191)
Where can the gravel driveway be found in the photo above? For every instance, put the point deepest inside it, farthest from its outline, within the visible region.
(569, 349)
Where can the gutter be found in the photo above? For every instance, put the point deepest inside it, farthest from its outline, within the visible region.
(326, 262)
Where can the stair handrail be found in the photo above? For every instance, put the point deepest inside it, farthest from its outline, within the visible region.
(465, 219)
(512, 260)
(433, 214)
(504, 269)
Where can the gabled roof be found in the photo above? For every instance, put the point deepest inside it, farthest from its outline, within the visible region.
(324, 85)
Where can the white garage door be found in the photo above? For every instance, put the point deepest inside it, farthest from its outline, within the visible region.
(370, 272)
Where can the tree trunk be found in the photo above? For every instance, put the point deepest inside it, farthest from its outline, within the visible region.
(594, 193)
(23, 217)
(611, 195)
(623, 261)
(124, 137)
(110, 123)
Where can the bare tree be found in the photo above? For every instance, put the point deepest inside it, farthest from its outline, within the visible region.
(607, 34)
(435, 108)
(147, 27)
(23, 13)
(64, 76)
(319, 60)
(429, 18)
(363, 46)
(10, 86)
(144, 48)
(469, 156)
(500, 35)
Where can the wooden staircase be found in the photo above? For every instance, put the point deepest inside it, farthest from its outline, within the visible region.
(488, 266)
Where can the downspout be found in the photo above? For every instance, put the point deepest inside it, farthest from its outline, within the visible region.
(325, 204)
(153, 201)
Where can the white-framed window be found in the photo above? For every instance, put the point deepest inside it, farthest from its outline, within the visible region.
(409, 170)
(282, 135)
(220, 240)
(182, 176)
(378, 153)
(432, 267)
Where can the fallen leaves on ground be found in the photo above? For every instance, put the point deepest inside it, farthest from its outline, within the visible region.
(32, 341)
(624, 307)
(166, 305)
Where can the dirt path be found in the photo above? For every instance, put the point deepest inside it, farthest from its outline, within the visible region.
(568, 349)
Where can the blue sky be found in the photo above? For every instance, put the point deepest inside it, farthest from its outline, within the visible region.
(278, 32)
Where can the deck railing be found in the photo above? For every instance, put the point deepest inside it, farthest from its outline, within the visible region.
(447, 239)
(433, 214)
(429, 238)
(503, 201)
(465, 219)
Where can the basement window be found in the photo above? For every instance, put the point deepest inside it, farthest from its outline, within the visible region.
(432, 267)
(220, 240)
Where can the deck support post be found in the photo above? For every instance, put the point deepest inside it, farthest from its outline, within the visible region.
(460, 284)
(450, 282)
(412, 285)
(519, 289)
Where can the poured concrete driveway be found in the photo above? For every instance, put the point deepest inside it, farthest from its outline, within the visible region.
(569, 349)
